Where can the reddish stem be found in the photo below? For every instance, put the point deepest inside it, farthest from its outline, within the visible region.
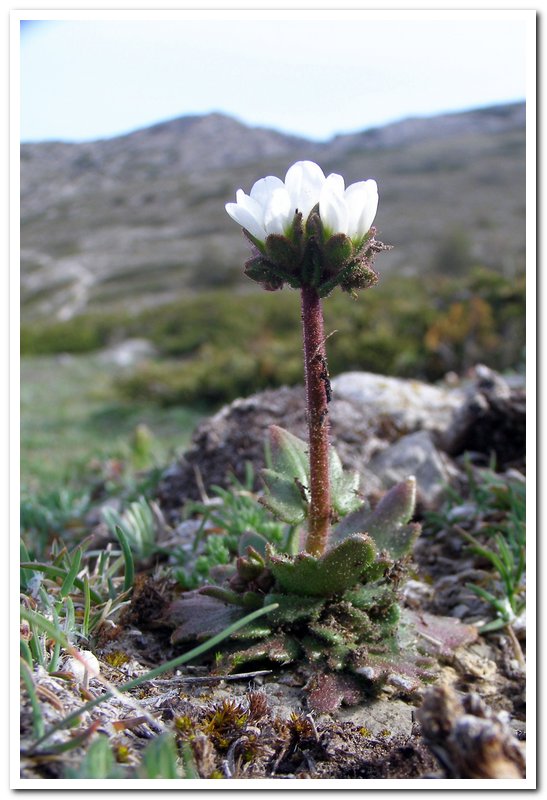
(318, 395)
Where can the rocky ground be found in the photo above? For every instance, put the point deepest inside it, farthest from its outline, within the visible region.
(470, 724)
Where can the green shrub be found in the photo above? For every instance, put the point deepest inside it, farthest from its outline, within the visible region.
(215, 376)
(218, 345)
(81, 334)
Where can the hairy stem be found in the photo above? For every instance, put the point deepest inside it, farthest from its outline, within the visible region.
(318, 395)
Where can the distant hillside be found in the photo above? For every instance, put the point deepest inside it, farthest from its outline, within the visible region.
(139, 219)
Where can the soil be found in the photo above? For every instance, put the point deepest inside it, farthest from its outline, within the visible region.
(257, 724)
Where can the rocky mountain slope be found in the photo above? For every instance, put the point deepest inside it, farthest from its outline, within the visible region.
(138, 219)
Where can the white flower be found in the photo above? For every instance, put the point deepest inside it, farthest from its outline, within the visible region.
(350, 211)
(272, 204)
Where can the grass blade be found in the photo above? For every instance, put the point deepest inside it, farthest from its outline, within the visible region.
(37, 719)
(26, 575)
(54, 660)
(98, 763)
(160, 758)
(68, 582)
(37, 621)
(57, 572)
(70, 616)
(129, 576)
(188, 761)
(26, 655)
(87, 608)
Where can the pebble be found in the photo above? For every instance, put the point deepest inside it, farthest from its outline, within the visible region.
(90, 666)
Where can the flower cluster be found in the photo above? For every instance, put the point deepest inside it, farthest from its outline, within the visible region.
(309, 230)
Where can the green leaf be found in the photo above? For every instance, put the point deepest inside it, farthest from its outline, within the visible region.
(188, 761)
(37, 718)
(283, 497)
(249, 600)
(98, 763)
(386, 524)
(290, 462)
(289, 454)
(281, 649)
(344, 486)
(128, 558)
(281, 511)
(160, 758)
(68, 582)
(254, 540)
(495, 625)
(25, 574)
(293, 608)
(336, 571)
(262, 271)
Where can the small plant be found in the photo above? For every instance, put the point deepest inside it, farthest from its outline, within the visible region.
(50, 514)
(66, 599)
(313, 234)
(227, 520)
(335, 580)
(235, 511)
(137, 526)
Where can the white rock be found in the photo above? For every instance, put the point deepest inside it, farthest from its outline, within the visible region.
(414, 454)
(90, 665)
(412, 404)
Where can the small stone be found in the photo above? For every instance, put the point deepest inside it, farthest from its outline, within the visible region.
(462, 512)
(416, 593)
(460, 611)
(380, 715)
(417, 455)
(84, 663)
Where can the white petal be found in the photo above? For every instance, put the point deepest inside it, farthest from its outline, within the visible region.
(304, 181)
(356, 197)
(279, 213)
(262, 190)
(336, 182)
(362, 203)
(250, 205)
(332, 209)
(247, 220)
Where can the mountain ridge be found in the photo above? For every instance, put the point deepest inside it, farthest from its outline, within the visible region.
(139, 217)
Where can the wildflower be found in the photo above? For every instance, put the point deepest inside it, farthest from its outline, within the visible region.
(272, 204)
(309, 230)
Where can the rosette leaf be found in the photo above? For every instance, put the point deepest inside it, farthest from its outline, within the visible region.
(387, 524)
(339, 569)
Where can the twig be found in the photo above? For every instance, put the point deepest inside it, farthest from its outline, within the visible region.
(210, 678)
(517, 649)
(200, 484)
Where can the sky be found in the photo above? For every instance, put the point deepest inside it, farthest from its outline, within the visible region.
(314, 75)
